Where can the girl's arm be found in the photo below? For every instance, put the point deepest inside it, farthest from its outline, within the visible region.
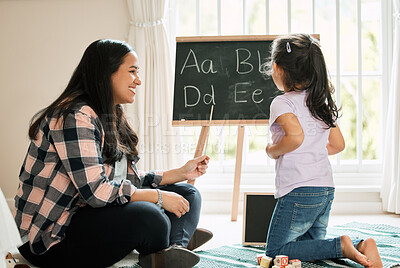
(293, 138)
(336, 142)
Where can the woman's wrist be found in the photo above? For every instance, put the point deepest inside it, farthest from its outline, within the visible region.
(173, 176)
(149, 195)
(159, 202)
(182, 174)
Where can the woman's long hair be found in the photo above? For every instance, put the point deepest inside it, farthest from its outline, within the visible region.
(301, 58)
(91, 84)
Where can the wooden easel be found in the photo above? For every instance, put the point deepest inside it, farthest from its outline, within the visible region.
(238, 168)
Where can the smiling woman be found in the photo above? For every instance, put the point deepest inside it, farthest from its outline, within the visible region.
(125, 80)
(79, 188)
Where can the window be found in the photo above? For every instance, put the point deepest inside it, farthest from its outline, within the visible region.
(352, 38)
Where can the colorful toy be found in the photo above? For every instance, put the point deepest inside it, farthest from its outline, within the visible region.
(296, 263)
(265, 261)
(281, 260)
(259, 257)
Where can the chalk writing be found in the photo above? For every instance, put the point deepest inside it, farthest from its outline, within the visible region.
(226, 74)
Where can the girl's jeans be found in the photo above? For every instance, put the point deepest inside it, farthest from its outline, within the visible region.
(298, 226)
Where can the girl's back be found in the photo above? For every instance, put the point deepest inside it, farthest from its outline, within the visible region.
(309, 163)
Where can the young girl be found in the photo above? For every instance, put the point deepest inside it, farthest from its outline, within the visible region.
(304, 132)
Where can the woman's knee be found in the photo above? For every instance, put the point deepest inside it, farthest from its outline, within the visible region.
(193, 193)
(148, 214)
(150, 222)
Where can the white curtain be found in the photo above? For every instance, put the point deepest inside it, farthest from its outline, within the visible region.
(151, 113)
(390, 192)
(9, 235)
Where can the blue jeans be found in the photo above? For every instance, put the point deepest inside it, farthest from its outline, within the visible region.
(182, 229)
(298, 226)
(106, 235)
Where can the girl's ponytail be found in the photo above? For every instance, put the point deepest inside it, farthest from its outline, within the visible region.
(320, 90)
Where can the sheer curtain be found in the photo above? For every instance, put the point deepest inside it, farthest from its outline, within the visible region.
(9, 234)
(151, 113)
(390, 192)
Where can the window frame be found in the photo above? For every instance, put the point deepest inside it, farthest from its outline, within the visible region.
(359, 171)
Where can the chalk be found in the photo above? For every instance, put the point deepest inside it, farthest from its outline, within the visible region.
(208, 134)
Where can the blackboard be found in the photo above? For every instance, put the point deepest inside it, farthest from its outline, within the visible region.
(257, 213)
(224, 71)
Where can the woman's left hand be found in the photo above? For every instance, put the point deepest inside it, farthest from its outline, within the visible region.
(196, 167)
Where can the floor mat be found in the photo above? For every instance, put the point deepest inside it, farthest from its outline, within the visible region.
(387, 238)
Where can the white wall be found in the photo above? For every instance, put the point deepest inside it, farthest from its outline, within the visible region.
(41, 43)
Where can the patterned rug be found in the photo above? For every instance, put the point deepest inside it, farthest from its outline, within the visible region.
(387, 238)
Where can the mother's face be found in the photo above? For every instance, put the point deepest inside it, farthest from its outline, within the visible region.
(125, 80)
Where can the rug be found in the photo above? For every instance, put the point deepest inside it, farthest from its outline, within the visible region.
(387, 238)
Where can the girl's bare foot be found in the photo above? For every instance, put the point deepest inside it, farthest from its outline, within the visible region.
(349, 251)
(368, 248)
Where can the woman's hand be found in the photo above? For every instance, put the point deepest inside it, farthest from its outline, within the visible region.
(269, 152)
(196, 167)
(175, 203)
(192, 169)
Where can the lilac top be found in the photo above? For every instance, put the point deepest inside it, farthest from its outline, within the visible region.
(308, 165)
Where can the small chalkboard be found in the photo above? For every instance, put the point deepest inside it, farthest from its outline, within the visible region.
(223, 71)
(257, 213)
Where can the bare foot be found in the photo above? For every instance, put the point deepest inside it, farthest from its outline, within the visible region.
(349, 251)
(368, 248)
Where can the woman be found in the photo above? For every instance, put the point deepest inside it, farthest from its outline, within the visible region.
(81, 202)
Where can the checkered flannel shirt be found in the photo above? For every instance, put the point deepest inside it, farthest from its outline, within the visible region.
(63, 171)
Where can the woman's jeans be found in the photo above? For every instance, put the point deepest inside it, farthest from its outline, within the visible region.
(100, 237)
(298, 226)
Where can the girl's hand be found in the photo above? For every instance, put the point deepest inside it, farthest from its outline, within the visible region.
(175, 203)
(196, 167)
(269, 151)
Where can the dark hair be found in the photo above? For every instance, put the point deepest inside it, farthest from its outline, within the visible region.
(91, 84)
(301, 58)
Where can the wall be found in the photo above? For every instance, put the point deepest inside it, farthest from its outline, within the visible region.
(41, 43)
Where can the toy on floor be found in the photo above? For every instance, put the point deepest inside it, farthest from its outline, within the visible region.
(264, 261)
(280, 261)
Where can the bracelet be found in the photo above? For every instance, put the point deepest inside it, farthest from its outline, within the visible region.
(160, 201)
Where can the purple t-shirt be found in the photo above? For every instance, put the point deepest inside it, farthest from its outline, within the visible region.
(308, 165)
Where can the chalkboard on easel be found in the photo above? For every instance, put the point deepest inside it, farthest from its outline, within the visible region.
(223, 71)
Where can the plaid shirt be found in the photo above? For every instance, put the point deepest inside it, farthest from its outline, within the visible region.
(63, 171)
